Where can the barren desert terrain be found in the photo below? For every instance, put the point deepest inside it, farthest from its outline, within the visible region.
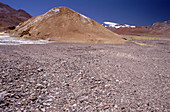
(53, 77)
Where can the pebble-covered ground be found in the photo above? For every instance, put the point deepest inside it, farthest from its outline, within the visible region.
(58, 77)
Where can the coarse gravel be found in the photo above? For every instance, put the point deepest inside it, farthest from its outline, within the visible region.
(65, 77)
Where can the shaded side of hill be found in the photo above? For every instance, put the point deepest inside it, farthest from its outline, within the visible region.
(9, 17)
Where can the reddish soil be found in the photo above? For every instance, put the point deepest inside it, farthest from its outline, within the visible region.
(136, 31)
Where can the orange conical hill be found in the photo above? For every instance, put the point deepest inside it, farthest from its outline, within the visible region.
(65, 25)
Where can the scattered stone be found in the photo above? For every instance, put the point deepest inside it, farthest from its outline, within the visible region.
(40, 69)
(47, 104)
(74, 105)
(39, 86)
(49, 100)
(115, 106)
(87, 81)
(83, 99)
(33, 98)
(2, 95)
(43, 109)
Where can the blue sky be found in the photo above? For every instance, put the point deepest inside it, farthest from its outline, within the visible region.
(133, 12)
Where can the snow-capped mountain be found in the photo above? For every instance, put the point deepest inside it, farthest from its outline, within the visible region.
(156, 29)
(116, 25)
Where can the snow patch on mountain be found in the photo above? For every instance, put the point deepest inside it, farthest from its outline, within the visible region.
(55, 10)
(85, 19)
(52, 12)
(116, 25)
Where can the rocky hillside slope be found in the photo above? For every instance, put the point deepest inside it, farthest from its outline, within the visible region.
(161, 27)
(65, 25)
(10, 17)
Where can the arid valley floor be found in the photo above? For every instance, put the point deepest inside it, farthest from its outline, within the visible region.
(85, 77)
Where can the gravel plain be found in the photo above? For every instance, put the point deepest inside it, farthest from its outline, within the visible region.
(58, 77)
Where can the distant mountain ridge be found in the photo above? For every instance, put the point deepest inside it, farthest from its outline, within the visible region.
(10, 17)
(156, 29)
(158, 25)
(161, 26)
